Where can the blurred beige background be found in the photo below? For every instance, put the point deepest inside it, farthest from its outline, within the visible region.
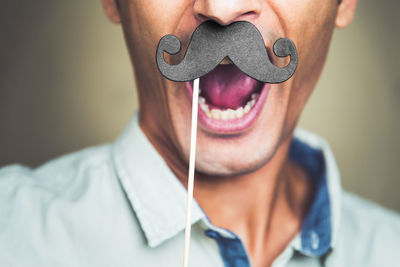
(66, 83)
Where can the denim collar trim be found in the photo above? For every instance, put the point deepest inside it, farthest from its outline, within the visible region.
(320, 226)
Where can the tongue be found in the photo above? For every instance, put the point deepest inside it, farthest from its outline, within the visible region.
(227, 87)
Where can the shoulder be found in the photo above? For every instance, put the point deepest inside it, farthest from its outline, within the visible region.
(369, 235)
(366, 219)
(367, 213)
(59, 214)
(26, 193)
(53, 175)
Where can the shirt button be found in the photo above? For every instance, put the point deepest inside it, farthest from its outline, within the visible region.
(314, 240)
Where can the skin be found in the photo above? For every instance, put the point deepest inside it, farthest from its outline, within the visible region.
(262, 195)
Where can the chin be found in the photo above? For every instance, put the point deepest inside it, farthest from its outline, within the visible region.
(232, 164)
(233, 155)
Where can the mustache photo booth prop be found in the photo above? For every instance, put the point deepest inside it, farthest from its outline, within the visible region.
(209, 45)
(240, 41)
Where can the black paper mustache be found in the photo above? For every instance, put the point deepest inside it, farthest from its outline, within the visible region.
(240, 41)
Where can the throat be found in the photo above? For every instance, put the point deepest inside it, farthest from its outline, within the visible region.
(226, 87)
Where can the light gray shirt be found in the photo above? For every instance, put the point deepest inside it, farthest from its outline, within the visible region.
(120, 205)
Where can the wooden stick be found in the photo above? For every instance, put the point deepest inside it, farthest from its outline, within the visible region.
(189, 203)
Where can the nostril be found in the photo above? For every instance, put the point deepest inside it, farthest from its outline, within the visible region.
(202, 17)
(248, 15)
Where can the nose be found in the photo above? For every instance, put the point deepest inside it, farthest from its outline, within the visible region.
(227, 11)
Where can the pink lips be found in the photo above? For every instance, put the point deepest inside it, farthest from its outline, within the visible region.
(227, 87)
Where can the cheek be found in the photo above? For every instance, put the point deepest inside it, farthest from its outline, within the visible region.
(311, 63)
(312, 35)
(179, 108)
(147, 21)
(158, 17)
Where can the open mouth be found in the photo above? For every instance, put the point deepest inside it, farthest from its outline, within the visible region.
(229, 100)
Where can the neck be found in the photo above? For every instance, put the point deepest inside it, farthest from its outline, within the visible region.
(263, 207)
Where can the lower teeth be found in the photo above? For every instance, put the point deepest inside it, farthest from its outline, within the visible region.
(228, 113)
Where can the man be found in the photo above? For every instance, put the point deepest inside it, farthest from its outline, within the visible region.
(265, 194)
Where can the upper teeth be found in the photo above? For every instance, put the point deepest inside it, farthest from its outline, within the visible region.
(228, 113)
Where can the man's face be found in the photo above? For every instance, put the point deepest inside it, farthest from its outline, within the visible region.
(226, 145)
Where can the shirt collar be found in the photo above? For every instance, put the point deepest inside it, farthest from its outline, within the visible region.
(155, 194)
(159, 199)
